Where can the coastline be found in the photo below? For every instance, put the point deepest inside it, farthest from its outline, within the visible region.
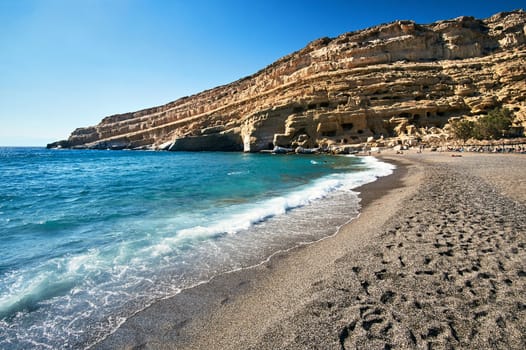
(351, 290)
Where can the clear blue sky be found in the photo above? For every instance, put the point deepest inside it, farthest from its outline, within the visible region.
(68, 63)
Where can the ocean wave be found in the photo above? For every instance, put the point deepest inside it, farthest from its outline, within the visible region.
(26, 295)
(245, 216)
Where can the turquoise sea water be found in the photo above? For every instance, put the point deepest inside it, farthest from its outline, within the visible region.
(90, 237)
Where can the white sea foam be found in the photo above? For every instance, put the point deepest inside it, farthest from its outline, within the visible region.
(233, 173)
(243, 217)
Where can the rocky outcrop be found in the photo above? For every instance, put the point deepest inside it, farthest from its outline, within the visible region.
(400, 80)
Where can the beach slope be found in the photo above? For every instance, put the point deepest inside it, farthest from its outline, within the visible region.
(436, 259)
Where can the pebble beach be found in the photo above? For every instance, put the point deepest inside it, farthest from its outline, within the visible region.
(436, 260)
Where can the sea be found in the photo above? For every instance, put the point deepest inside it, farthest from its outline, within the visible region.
(89, 238)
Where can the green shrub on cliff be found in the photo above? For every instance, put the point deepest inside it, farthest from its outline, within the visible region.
(463, 129)
(495, 125)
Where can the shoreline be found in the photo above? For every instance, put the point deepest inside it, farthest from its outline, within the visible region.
(198, 301)
(350, 290)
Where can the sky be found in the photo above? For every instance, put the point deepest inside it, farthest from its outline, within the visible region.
(68, 63)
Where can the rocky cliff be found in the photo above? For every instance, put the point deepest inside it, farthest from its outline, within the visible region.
(399, 81)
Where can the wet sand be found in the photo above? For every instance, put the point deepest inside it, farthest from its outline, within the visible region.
(436, 259)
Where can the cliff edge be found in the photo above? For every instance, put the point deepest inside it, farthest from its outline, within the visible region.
(395, 82)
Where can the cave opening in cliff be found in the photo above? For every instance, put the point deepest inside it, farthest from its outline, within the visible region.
(298, 109)
(347, 126)
(331, 133)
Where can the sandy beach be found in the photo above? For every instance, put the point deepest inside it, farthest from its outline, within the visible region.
(436, 260)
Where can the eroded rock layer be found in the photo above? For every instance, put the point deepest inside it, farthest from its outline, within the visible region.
(400, 80)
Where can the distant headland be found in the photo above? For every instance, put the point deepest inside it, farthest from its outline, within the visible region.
(396, 83)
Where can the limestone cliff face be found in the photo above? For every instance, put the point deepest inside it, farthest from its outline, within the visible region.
(401, 80)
